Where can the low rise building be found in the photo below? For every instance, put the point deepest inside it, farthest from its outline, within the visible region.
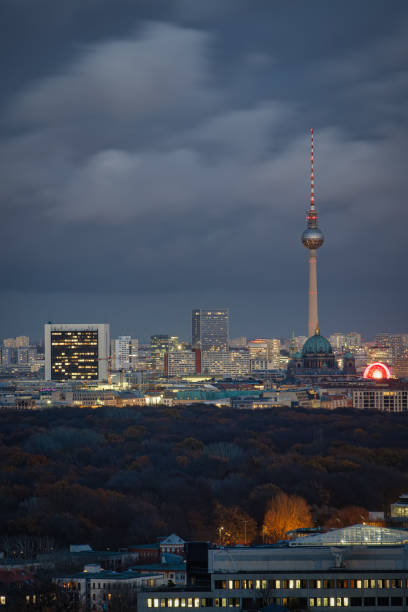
(386, 398)
(95, 587)
(360, 567)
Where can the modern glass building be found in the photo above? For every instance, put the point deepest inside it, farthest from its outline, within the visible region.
(210, 329)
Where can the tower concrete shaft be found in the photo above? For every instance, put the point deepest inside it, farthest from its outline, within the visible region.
(313, 318)
(312, 239)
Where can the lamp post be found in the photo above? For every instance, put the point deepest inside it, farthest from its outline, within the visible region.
(220, 530)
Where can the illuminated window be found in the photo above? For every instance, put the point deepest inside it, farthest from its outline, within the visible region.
(155, 603)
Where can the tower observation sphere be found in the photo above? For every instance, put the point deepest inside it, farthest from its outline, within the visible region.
(312, 238)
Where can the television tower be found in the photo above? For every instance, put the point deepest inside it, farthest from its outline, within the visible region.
(313, 239)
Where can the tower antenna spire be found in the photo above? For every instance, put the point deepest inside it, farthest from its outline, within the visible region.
(312, 191)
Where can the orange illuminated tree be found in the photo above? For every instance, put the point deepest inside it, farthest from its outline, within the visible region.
(284, 513)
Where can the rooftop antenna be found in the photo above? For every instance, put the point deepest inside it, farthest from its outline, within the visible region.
(312, 191)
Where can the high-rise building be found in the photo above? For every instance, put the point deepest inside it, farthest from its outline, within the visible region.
(76, 351)
(210, 329)
(160, 345)
(338, 341)
(395, 342)
(353, 340)
(27, 355)
(312, 239)
(124, 351)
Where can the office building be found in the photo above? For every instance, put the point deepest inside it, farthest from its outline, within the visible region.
(160, 345)
(124, 352)
(76, 351)
(386, 398)
(27, 355)
(352, 341)
(210, 329)
(181, 363)
(400, 367)
(338, 341)
(360, 567)
(225, 364)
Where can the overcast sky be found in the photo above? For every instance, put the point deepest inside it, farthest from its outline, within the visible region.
(154, 158)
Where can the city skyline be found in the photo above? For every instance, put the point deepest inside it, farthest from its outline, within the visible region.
(153, 160)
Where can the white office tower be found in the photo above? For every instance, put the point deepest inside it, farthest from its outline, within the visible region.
(124, 352)
(76, 351)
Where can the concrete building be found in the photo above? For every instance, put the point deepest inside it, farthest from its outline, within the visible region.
(181, 363)
(225, 364)
(124, 352)
(94, 588)
(400, 367)
(210, 329)
(386, 398)
(161, 345)
(360, 567)
(76, 351)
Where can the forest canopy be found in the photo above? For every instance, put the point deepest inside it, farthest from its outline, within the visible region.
(116, 477)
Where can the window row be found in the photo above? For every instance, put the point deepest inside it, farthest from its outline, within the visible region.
(332, 602)
(235, 602)
(180, 602)
(357, 583)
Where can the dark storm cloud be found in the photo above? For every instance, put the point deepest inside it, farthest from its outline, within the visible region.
(164, 151)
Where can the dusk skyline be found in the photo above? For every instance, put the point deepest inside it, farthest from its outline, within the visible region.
(156, 160)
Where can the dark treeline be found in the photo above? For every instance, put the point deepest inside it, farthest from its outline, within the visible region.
(115, 477)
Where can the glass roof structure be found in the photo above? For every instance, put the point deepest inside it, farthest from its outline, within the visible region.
(356, 535)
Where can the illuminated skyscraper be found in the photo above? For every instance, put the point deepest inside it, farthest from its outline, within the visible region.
(76, 352)
(210, 329)
(313, 239)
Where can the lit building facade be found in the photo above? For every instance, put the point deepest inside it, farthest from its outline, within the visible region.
(225, 364)
(357, 567)
(180, 363)
(390, 398)
(160, 345)
(400, 367)
(76, 351)
(124, 351)
(210, 329)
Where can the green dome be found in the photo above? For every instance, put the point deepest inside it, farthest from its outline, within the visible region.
(297, 355)
(348, 355)
(317, 344)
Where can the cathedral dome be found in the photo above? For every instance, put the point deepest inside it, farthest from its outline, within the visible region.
(316, 345)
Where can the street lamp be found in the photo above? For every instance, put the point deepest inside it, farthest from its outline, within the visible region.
(220, 530)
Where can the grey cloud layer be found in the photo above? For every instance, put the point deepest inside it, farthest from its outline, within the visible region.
(140, 155)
